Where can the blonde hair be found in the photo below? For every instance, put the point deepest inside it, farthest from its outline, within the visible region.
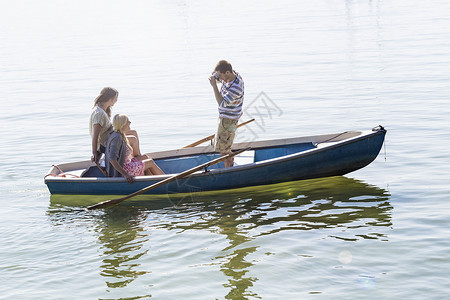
(119, 121)
(106, 94)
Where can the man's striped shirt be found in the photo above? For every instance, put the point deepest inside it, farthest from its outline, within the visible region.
(232, 98)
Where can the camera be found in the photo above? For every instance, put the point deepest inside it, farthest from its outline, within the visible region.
(216, 76)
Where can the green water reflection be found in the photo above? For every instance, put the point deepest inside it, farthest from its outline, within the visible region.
(122, 238)
(240, 215)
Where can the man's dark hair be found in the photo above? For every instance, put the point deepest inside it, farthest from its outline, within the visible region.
(223, 66)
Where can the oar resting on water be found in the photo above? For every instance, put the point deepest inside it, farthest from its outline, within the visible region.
(208, 138)
(165, 181)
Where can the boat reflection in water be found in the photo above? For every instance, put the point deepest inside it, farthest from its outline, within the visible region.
(337, 208)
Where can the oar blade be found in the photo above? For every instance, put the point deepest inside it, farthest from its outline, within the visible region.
(105, 204)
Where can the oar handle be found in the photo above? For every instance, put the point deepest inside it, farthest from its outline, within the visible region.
(165, 181)
(208, 138)
(101, 169)
(203, 140)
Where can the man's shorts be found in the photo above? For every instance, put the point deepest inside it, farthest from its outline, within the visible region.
(225, 135)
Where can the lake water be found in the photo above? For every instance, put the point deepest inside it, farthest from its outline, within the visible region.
(310, 67)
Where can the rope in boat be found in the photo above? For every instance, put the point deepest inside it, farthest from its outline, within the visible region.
(381, 128)
(377, 128)
(338, 135)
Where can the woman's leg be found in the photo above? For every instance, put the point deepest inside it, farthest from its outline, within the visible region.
(153, 167)
(144, 158)
(132, 132)
(134, 143)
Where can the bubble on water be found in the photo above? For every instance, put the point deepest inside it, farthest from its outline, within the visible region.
(345, 257)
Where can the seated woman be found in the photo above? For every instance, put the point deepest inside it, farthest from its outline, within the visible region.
(119, 157)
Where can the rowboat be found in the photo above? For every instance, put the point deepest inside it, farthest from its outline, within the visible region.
(266, 162)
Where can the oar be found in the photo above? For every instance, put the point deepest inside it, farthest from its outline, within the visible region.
(208, 138)
(165, 181)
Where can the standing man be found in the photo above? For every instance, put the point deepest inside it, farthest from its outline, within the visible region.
(230, 99)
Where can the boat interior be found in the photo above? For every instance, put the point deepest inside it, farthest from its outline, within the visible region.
(176, 161)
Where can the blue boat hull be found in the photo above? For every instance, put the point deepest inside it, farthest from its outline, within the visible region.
(335, 159)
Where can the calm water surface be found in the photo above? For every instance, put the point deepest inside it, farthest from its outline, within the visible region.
(323, 67)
